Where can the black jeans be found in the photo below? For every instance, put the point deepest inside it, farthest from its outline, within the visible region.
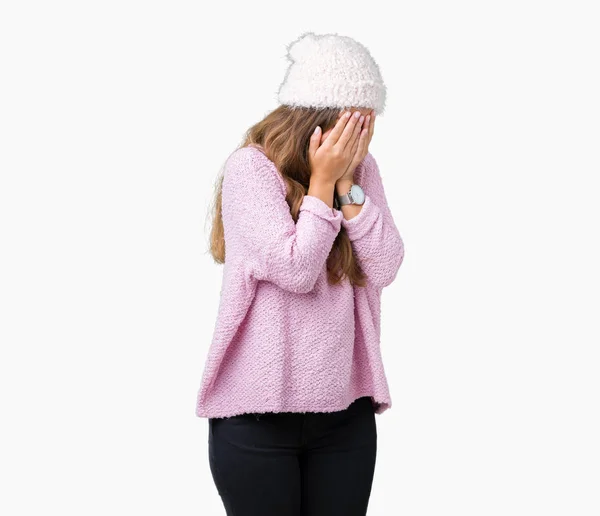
(295, 463)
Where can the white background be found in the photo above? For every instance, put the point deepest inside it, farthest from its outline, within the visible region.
(115, 118)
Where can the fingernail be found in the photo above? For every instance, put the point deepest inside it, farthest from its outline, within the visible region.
(357, 114)
(362, 118)
(317, 129)
(348, 113)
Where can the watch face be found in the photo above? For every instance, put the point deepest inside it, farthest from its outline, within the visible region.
(357, 193)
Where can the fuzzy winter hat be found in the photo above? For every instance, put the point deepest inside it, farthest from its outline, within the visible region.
(330, 70)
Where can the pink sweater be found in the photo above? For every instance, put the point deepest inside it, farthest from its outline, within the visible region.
(285, 340)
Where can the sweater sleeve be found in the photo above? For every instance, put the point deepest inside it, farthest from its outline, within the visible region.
(376, 241)
(259, 228)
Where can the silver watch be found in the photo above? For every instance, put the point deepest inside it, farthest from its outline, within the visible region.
(355, 195)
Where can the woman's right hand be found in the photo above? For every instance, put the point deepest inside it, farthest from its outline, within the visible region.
(330, 160)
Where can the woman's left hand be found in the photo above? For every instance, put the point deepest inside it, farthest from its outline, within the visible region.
(361, 147)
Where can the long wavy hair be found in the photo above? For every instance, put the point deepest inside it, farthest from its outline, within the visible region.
(283, 135)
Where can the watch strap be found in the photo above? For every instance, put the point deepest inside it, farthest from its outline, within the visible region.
(344, 199)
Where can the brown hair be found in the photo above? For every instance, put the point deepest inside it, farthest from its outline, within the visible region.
(283, 136)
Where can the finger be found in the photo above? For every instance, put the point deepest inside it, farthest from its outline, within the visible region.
(363, 142)
(372, 125)
(354, 148)
(359, 144)
(359, 148)
(369, 126)
(315, 141)
(354, 141)
(348, 130)
(338, 129)
(325, 135)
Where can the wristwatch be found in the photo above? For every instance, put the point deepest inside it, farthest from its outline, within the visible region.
(355, 195)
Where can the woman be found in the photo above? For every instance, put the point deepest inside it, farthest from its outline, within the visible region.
(294, 374)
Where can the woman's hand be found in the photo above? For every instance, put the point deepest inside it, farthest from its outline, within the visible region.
(329, 160)
(361, 148)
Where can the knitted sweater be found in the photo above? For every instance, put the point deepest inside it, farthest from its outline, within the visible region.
(285, 340)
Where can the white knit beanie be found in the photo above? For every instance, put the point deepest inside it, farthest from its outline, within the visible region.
(330, 70)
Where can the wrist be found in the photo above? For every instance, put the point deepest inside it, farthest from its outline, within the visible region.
(342, 186)
(321, 181)
(323, 189)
